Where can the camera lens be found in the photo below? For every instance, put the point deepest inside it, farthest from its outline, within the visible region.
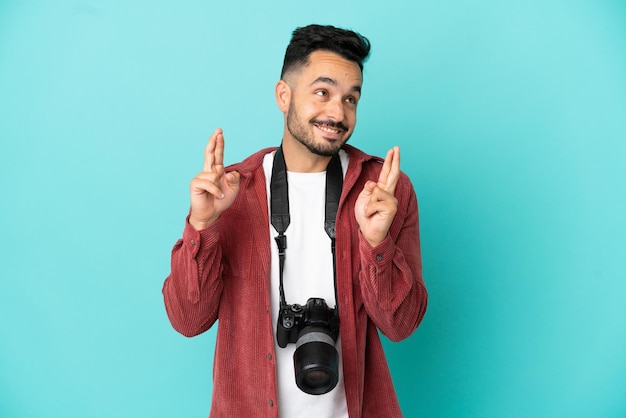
(315, 378)
(316, 361)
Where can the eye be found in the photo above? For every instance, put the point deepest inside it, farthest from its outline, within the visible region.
(351, 100)
(321, 93)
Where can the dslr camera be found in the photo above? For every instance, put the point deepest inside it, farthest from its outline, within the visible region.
(314, 329)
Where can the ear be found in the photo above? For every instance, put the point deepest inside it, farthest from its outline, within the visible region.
(283, 95)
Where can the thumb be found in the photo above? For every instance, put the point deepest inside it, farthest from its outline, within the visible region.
(232, 179)
(369, 186)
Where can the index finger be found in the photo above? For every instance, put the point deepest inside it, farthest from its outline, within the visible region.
(214, 151)
(390, 173)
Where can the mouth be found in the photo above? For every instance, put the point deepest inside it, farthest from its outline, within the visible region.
(330, 131)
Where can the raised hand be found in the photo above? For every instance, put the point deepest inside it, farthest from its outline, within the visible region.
(212, 190)
(376, 205)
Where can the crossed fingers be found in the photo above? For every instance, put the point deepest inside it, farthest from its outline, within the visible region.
(390, 173)
(214, 153)
(210, 178)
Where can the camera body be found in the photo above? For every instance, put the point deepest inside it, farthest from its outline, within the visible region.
(292, 319)
(314, 328)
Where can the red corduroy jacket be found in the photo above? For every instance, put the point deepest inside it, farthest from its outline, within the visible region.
(223, 272)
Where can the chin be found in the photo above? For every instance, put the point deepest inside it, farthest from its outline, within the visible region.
(325, 151)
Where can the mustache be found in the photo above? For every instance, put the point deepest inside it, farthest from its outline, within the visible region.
(330, 124)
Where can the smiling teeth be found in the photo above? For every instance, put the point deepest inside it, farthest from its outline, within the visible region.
(327, 129)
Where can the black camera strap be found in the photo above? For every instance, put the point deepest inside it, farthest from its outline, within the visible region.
(279, 211)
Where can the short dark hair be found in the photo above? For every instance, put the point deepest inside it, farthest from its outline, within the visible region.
(305, 40)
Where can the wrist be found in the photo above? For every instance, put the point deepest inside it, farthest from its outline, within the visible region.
(373, 242)
(199, 225)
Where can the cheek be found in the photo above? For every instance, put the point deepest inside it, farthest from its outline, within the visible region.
(350, 114)
(310, 110)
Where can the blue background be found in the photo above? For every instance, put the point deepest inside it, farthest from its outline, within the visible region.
(511, 117)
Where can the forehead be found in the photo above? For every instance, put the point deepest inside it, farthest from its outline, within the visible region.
(325, 64)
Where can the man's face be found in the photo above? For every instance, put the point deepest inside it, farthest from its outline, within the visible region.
(322, 110)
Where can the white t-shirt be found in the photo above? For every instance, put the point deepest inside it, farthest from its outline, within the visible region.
(308, 273)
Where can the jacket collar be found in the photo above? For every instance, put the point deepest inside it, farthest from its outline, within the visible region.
(356, 159)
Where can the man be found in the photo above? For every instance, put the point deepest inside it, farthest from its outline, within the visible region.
(227, 265)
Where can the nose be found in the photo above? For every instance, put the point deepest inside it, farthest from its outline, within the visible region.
(335, 111)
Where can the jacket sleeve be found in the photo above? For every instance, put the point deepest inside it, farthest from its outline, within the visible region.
(391, 280)
(193, 290)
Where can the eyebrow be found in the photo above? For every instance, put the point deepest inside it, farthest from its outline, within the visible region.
(328, 80)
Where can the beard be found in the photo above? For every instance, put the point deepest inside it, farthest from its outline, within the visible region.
(298, 129)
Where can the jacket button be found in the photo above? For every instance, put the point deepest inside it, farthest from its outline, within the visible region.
(270, 402)
(379, 257)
